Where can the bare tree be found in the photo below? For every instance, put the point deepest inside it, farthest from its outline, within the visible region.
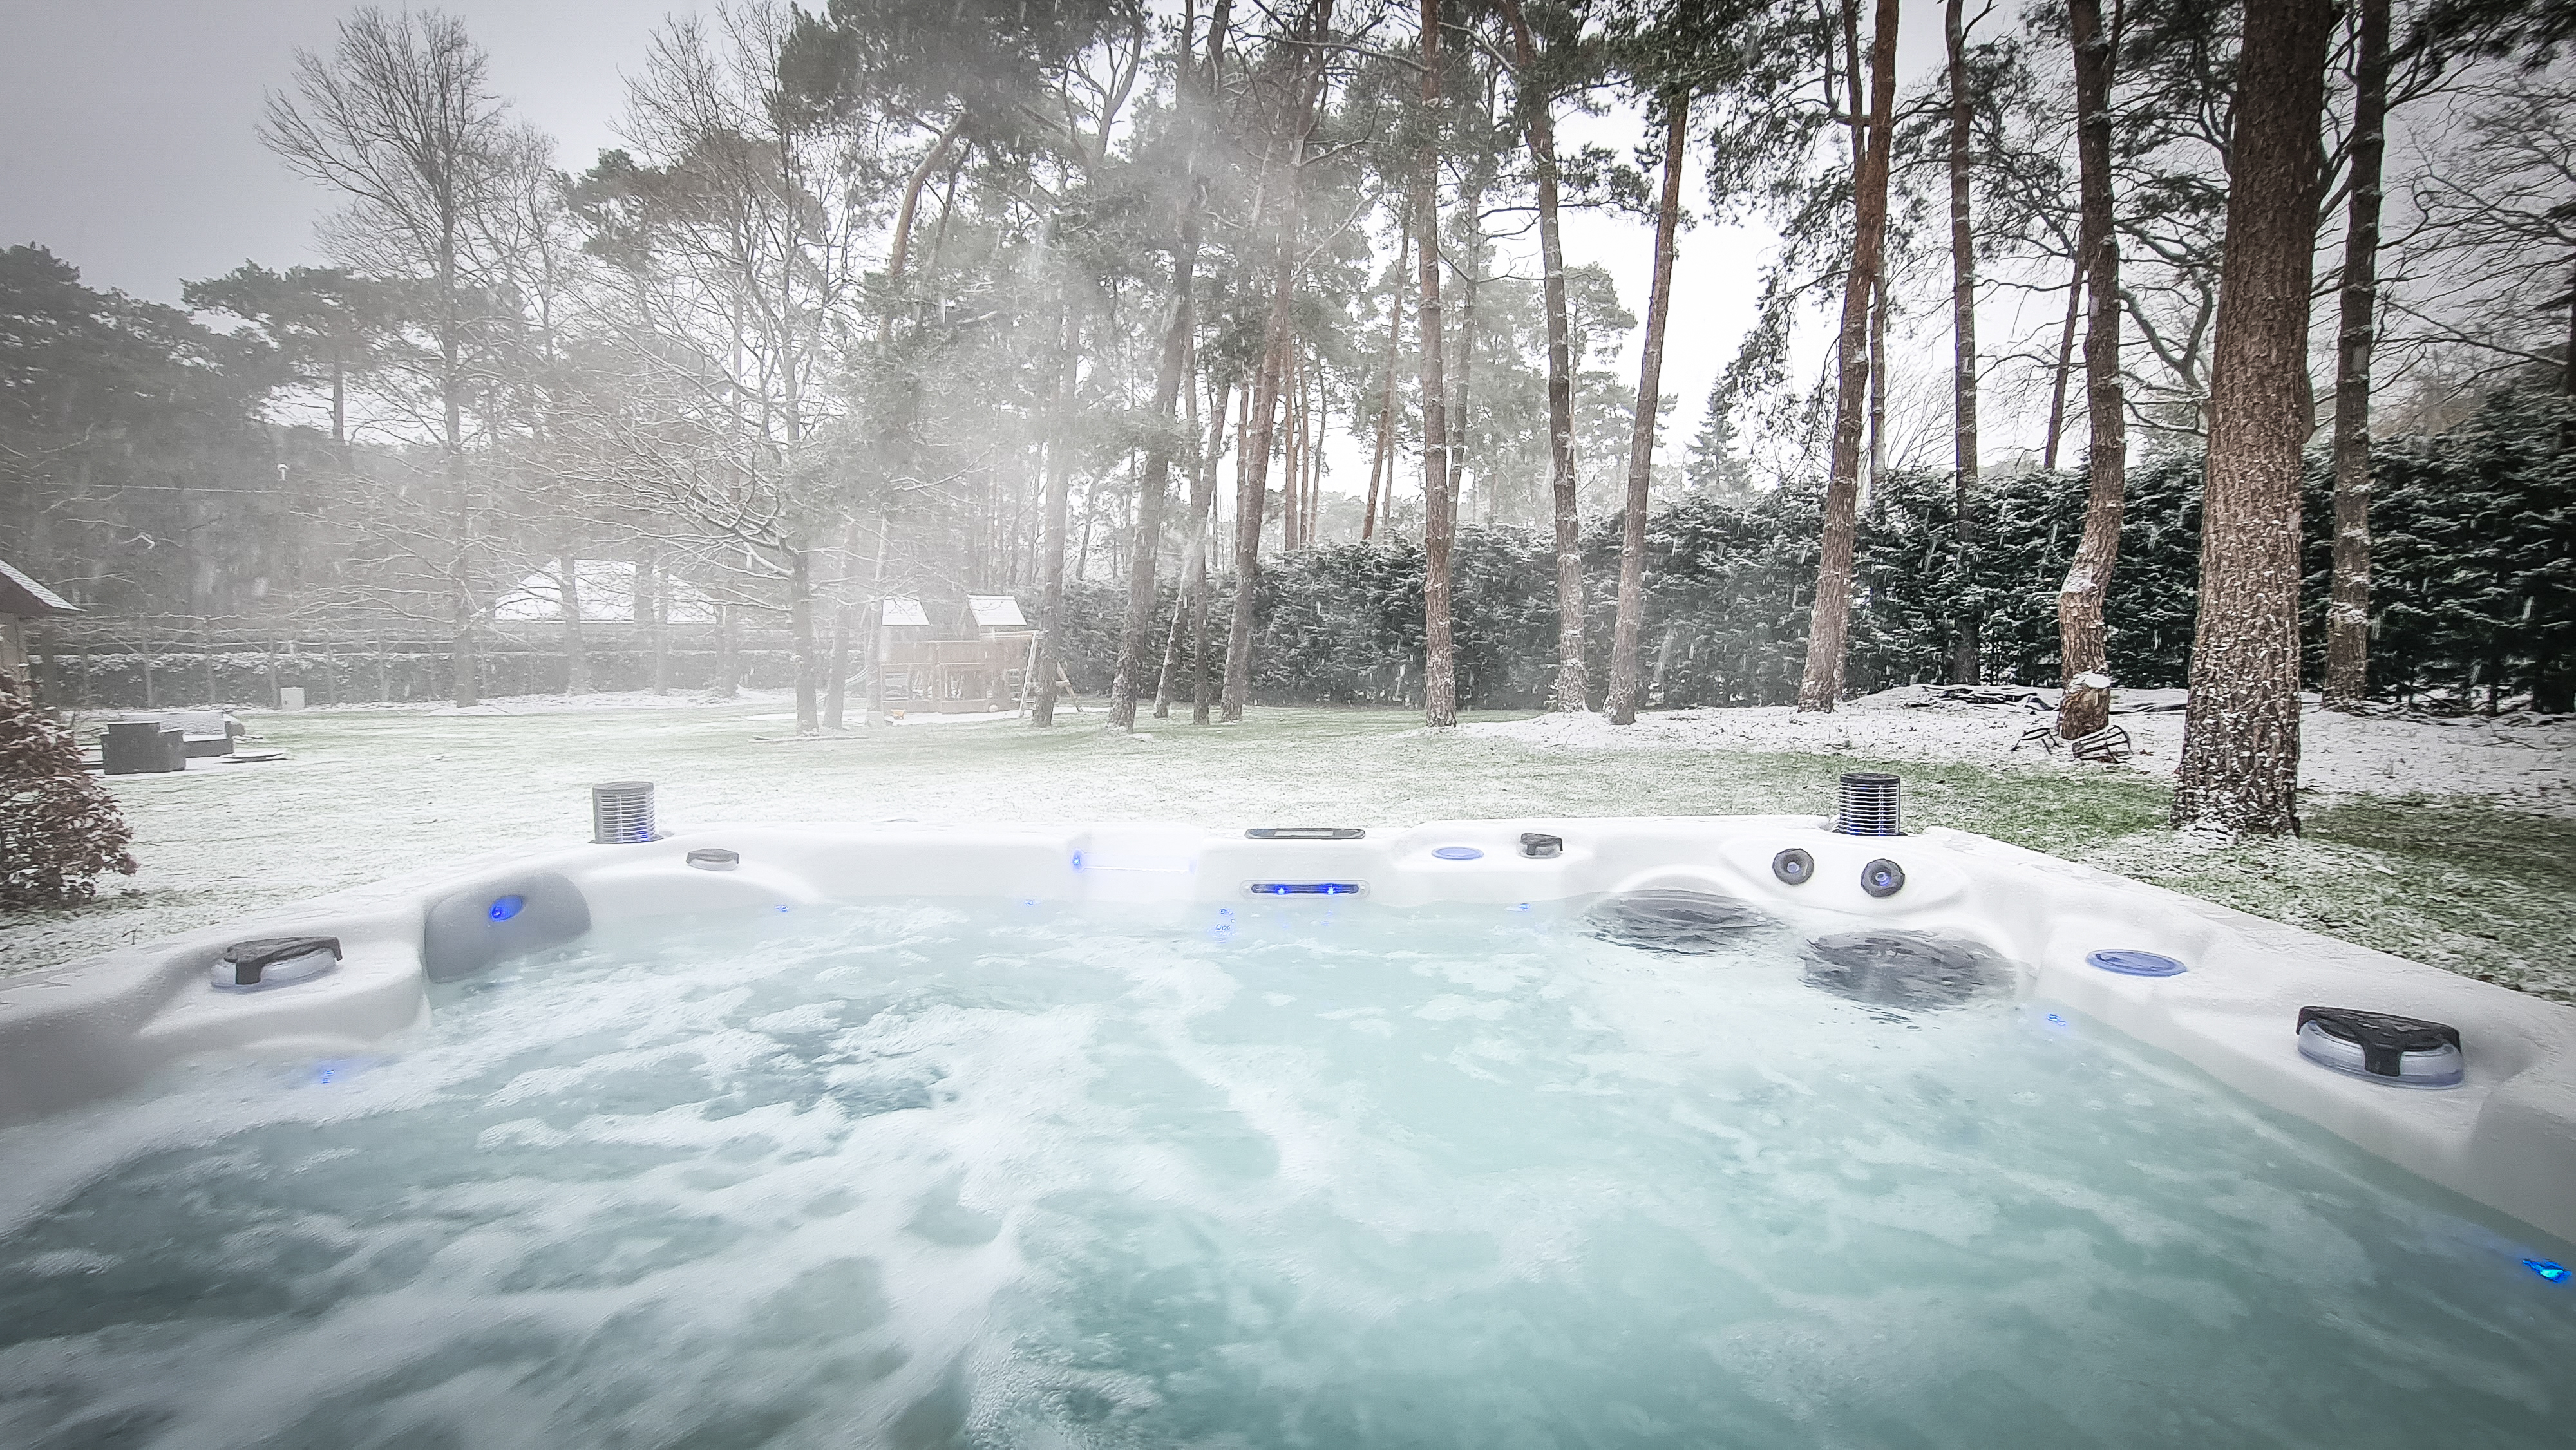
(401, 119)
(2490, 255)
(2240, 760)
(754, 210)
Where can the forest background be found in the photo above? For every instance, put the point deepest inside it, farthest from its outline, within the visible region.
(1243, 345)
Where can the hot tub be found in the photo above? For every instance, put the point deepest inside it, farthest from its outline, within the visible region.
(1622, 1132)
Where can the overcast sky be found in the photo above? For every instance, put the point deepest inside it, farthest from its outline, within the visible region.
(132, 149)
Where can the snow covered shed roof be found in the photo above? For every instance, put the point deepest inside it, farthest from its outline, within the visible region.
(24, 597)
(996, 611)
(905, 613)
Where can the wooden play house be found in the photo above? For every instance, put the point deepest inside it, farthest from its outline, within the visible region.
(955, 657)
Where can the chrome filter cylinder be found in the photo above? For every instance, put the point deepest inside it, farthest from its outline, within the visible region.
(2398, 1051)
(1866, 804)
(621, 812)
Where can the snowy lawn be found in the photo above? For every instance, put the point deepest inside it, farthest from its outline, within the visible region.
(2448, 843)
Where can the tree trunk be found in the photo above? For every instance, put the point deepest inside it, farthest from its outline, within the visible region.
(1382, 460)
(1624, 691)
(899, 246)
(2240, 754)
(1439, 505)
(1313, 417)
(2567, 368)
(1964, 664)
(2065, 364)
(1090, 516)
(800, 631)
(1252, 471)
(871, 706)
(1199, 586)
(874, 661)
(1830, 618)
(1059, 486)
(1877, 473)
(1573, 690)
(2567, 375)
(1315, 456)
(1470, 213)
(1193, 547)
(894, 441)
(576, 648)
(1210, 691)
(451, 397)
(660, 624)
(466, 669)
(1251, 487)
(2347, 681)
(1170, 375)
(1292, 456)
(727, 679)
(836, 665)
(2083, 654)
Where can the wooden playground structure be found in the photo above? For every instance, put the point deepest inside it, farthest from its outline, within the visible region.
(983, 660)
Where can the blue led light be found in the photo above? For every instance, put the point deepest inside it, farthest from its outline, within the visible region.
(1458, 853)
(782, 908)
(2554, 1273)
(330, 1070)
(507, 907)
(1521, 906)
(2056, 1021)
(1077, 860)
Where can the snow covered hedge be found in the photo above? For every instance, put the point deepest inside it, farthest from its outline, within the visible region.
(2475, 585)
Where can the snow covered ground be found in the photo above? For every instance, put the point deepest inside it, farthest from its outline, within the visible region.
(2526, 763)
(2453, 843)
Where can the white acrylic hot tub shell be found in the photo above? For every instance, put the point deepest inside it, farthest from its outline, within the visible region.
(2506, 1137)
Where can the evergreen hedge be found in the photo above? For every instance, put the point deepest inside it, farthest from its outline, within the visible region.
(2474, 585)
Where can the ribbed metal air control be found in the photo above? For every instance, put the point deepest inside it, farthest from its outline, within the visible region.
(621, 812)
(1867, 805)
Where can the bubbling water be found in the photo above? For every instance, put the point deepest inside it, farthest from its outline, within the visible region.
(1285, 1174)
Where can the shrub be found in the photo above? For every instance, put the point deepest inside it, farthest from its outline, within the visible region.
(59, 829)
